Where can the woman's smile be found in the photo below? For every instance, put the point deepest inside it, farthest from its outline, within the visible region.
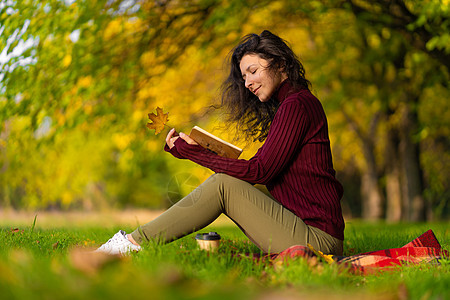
(259, 79)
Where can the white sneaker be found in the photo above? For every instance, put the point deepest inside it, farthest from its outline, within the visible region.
(118, 244)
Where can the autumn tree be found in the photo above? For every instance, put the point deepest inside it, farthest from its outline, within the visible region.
(417, 53)
(78, 79)
(85, 83)
(377, 62)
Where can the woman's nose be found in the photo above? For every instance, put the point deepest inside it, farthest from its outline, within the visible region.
(248, 82)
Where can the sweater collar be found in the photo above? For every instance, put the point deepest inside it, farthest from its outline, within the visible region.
(284, 90)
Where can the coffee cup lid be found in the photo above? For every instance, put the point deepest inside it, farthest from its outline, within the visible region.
(211, 236)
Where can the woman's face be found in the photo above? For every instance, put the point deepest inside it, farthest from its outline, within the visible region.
(258, 79)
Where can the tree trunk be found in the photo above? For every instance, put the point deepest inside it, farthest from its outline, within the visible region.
(5, 198)
(372, 206)
(372, 198)
(412, 184)
(393, 183)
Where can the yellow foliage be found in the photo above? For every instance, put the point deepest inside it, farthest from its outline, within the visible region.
(22, 123)
(390, 74)
(40, 117)
(336, 85)
(122, 141)
(87, 108)
(67, 60)
(133, 25)
(128, 155)
(84, 82)
(144, 93)
(385, 33)
(85, 127)
(374, 41)
(114, 73)
(156, 70)
(153, 145)
(66, 198)
(232, 36)
(263, 19)
(114, 27)
(59, 117)
(137, 116)
(372, 91)
(125, 160)
(164, 18)
(148, 59)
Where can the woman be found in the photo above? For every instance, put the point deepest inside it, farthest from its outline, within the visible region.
(268, 97)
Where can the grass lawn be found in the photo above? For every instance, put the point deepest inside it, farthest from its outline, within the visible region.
(46, 263)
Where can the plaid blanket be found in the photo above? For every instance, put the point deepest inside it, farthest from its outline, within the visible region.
(424, 249)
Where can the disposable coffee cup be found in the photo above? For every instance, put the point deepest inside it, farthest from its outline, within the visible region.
(208, 241)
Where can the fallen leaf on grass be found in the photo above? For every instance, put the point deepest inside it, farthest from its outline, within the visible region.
(351, 250)
(158, 121)
(326, 257)
(16, 230)
(90, 262)
(279, 265)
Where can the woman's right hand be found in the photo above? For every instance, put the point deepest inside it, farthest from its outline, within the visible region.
(172, 136)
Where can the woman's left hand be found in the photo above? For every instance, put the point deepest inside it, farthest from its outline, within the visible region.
(172, 136)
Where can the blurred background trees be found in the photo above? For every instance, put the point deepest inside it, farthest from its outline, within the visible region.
(78, 79)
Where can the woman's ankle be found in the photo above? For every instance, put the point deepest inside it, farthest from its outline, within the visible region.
(131, 239)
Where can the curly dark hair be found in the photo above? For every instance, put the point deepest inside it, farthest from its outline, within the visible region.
(251, 116)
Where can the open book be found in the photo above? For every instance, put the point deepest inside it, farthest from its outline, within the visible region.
(214, 144)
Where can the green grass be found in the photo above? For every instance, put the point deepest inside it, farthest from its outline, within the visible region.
(38, 263)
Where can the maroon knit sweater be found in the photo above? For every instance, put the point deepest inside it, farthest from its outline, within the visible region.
(294, 162)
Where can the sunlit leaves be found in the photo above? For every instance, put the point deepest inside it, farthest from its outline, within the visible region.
(100, 65)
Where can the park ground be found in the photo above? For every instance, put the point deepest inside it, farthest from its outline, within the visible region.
(43, 256)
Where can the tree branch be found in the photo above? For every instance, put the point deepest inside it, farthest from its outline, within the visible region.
(399, 19)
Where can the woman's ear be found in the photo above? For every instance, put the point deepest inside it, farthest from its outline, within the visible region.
(282, 70)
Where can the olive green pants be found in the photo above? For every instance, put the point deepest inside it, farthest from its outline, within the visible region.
(267, 223)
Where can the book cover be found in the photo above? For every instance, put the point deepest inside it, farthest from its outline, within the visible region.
(214, 144)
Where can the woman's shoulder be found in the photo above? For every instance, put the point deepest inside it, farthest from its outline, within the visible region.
(301, 97)
(302, 102)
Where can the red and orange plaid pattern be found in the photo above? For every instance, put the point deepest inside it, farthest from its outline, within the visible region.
(424, 249)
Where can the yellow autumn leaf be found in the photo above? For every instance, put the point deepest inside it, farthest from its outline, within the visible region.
(158, 121)
(327, 257)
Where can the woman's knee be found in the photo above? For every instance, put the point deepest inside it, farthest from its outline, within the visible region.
(225, 181)
(221, 177)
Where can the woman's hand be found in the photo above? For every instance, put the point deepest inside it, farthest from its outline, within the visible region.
(187, 139)
(172, 136)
